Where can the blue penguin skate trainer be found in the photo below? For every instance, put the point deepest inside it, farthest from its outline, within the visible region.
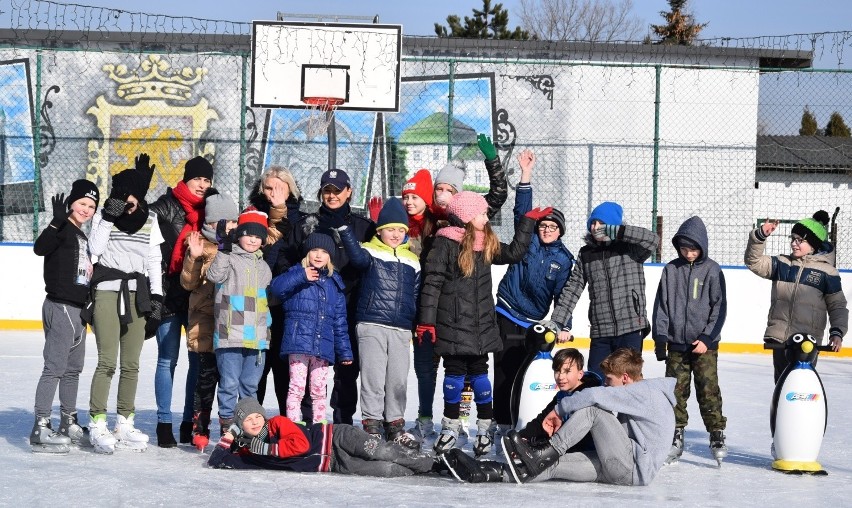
(533, 387)
(799, 408)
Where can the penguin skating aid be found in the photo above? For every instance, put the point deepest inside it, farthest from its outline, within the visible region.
(799, 410)
(534, 386)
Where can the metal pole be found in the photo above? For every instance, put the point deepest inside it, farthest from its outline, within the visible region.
(37, 147)
(243, 146)
(450, 95)
(654, 212)
(332, 138)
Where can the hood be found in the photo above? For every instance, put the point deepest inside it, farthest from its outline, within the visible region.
(693, 229)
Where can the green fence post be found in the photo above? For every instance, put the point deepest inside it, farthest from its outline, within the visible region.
(37, 146)
(657, 71)
(450, 95)
(243, 147)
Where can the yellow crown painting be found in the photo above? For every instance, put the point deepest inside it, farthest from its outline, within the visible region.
(155, 114)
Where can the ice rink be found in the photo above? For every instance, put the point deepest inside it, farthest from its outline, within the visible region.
(179, 477)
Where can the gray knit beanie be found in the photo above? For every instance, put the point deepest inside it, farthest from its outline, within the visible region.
(220, 207)
(245, 407)
(452, 174)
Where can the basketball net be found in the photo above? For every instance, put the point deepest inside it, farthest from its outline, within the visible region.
(320, 114)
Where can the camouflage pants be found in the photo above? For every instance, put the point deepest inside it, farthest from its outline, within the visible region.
(683, 367)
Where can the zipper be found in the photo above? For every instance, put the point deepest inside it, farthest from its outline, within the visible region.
(694, 292)
(609, 287)
(793, 299)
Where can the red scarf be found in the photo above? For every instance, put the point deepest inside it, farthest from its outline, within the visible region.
(193, 205)
(415, 225)
(456, 233)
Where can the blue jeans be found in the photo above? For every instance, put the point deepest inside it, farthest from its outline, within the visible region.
(426, 370)
(601, 347)
(239, 373)
(168, 351)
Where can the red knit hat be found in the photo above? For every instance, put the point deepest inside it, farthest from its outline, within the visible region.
(254, 223)
(421, 185)
(466, 205)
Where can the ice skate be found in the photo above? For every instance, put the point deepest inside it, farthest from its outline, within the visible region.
(464, 432)
(484, 438)
(372, 427)
(128, 437)
(468, 470)
(677, 447)
(497, 432)
(535, 459)
(513, 462)
(102, 439)
(201, 430)
(423, 431)
(717, 446)
(44, 439)
(68, 426)
(449, 436)
(395, 432)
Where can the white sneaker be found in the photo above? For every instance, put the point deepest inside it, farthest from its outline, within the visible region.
(128, 436)
(101, 438)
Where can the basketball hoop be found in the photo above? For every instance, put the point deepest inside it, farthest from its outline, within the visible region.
(320, 114)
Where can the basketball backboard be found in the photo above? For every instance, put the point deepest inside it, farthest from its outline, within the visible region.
(359, 63)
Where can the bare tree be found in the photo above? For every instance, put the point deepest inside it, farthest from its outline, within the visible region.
(581, 20)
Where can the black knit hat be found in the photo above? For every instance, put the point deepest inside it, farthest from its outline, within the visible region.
(557, 217)
(83, 189)
(197, 166)
(319, 241)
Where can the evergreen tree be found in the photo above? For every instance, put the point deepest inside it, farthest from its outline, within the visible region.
(487, 23)
(680, 27)
(836, 126)
(809, 123)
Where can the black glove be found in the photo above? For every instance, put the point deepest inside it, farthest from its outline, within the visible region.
(154, 317)
(660, 351)
(143, 163)
(225, 238)
(285, 228)
(113, 209)
(60, 211)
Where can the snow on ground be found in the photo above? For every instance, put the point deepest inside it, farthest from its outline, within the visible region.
(178, 476)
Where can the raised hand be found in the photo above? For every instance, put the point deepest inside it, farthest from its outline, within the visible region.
(769, 226)
(60, 211)
(142, 162)
(486, 147)
(526, 160)
(375, 206)
(538, 213)
(311, 273)
(195, 244)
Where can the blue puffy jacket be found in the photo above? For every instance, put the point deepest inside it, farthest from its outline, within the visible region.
(314, 315)
(390, 281)
(529, 287)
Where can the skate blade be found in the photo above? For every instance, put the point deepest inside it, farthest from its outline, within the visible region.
(102, 450)
(138, 448)
(450, 468)
(48, 449)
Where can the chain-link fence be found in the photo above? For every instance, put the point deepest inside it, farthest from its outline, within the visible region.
(665, 137)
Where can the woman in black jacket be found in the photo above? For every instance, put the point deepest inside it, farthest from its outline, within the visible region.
(457, 307)
(179, 211)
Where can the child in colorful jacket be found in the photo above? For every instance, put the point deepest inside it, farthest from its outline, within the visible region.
(241, 310)
(387, 307)
(315, 328)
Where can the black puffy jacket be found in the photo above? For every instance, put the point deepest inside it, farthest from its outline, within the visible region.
(462, 308)
(171, 218)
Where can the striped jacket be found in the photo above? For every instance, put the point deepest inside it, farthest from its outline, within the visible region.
(390, 281)
(804, 290)
(616, 278)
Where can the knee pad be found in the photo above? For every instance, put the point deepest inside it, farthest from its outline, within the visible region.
(453, 386)
(482, 393)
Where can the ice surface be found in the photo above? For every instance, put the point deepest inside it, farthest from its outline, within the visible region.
(178, 476)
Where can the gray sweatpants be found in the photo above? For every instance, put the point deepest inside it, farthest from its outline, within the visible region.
(353, 451)
(384, 371)
(610, 462)
(64, 354)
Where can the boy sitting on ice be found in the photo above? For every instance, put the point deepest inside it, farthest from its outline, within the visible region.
(253, 442)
